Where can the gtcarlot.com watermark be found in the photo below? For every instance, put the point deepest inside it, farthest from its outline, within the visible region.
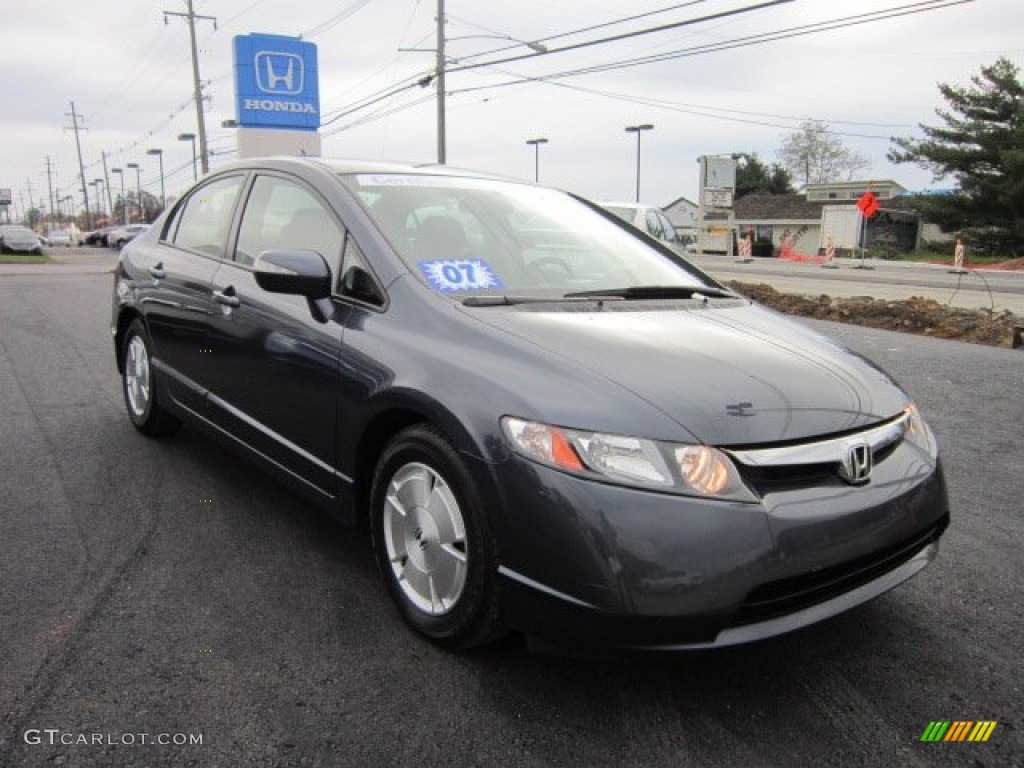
(56, 737)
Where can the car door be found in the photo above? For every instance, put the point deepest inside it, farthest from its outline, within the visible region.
(274, 368)
(176, 297)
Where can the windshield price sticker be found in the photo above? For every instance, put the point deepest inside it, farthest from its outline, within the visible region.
(453, 275)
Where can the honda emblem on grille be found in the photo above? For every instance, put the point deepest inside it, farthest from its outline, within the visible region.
(855, 467)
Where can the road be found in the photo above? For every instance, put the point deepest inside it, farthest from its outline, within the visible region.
(153, 587)
(978, 289)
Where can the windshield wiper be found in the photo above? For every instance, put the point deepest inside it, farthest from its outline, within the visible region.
(658, 292)
(510, 300)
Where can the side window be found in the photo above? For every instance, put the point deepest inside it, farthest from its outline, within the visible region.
(206, 216)
(356, 279)
(284, 215)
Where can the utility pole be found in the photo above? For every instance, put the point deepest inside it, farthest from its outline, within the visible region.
(28, 183)
(441, 139)
(49, 181)
(81, 166)
(106, 182)
(191, 17)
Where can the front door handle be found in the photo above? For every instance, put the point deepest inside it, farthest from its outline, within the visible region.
(157, 271)
(227, 297)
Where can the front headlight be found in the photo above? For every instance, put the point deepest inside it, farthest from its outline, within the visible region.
(694, 470)
(917, 431)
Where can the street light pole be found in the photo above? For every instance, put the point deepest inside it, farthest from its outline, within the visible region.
(138, 189)
(98, 185)
(160, 153)
(638, 129)
(536, 155)
(191, 137)
(124, 203)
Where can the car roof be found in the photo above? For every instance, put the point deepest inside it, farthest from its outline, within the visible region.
(350, 166)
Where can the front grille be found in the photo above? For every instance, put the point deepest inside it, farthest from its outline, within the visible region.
(802, 464)
(778, 598)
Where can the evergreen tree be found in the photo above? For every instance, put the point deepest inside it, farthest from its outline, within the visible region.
(981, 146)
(755, 177)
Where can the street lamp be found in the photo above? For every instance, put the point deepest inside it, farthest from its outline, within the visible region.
(191, 137)
(536, 156)
(138, 189)
(638, 129)
(124, 203)
(160, 153)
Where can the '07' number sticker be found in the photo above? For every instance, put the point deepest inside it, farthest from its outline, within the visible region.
(452, 275)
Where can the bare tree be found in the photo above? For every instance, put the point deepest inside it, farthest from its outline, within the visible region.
(815, 155)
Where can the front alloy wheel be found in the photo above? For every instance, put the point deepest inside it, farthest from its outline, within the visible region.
(425, 539)
(432, 540)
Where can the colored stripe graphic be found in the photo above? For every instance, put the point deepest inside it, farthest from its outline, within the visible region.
(982, 730)
(959, 730)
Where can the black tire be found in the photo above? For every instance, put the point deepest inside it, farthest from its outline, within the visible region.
(139, 385)
(421, 460)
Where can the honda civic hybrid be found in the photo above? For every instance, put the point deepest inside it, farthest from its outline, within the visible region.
(548, 422)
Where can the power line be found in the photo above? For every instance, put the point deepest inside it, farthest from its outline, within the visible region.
(627, 35)
(581, 30)
(745, 41)
(749, 40)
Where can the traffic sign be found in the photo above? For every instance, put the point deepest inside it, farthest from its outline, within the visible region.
(868, 204)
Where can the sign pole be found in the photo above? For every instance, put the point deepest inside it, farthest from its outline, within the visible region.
(868, 206)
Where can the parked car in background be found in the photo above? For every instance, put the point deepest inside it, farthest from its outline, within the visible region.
(648, 219)
(547, 421)
(59, 237)
(98, 236)
(118, 237)
(15, 238)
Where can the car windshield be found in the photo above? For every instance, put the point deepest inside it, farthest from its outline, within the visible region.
(468, 236)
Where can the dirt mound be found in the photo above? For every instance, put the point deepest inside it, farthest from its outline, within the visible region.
(926, 317)
(1012, 265)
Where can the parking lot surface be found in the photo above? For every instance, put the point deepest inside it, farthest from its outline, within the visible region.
(164, 589)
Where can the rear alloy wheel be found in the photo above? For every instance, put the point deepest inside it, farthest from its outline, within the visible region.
(432, 541)
(139, 383)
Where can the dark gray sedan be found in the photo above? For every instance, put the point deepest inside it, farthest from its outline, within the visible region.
(548, 421)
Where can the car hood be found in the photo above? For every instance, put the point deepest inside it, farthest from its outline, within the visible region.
(731, 376)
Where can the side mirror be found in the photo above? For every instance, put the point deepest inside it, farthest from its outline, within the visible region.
(301, 273)
(359, 284)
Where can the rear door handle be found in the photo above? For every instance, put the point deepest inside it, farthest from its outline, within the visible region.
(227, 297)
(157, 271)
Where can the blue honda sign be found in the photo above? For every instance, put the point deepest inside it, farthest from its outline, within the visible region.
(276, 83)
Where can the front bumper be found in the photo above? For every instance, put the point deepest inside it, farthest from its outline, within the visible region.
(602, 565)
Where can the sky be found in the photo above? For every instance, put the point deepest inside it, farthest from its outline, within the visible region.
(129, 76)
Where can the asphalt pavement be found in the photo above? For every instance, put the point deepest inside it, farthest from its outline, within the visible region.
(161, 590)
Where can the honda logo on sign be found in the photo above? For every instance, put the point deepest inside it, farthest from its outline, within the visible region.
(279, 73)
